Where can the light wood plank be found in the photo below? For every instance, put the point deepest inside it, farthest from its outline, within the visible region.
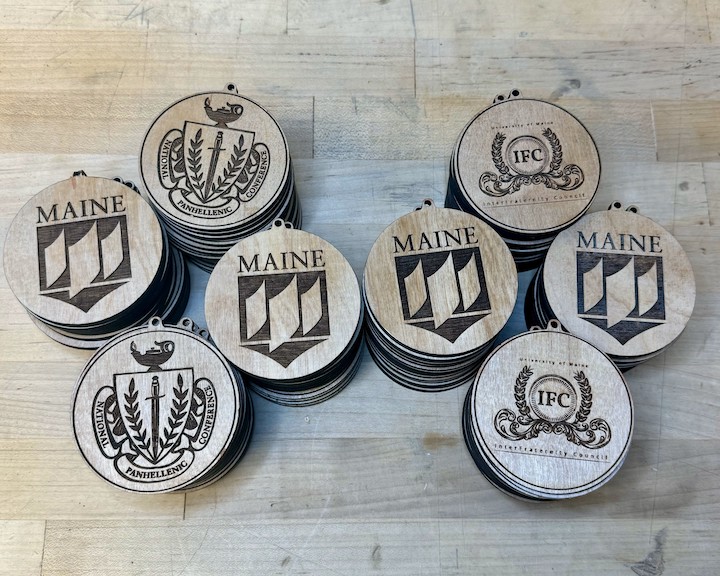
(223, 16)
(424, 128)
(620, 20)
(148, 63)
(551, 69)
(384, 18)
(687, 132)
(21, 547)
(45, 478)
(341, 548)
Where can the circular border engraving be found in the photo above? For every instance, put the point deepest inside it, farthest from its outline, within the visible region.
(214, 160)
(539, 198)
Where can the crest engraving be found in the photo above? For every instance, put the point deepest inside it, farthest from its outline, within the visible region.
(443, 292)
(81, 262)
(526, 161)
(209, 169)
(553, 405)
(151, 423)
(283, 315)
(623, 294)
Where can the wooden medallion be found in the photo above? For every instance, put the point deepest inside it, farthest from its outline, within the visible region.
(549, 416)
(526, 166)
(620, 281)
(439, 282)
(159, 409)
(87, 255)
(284, 306)
(214, 160)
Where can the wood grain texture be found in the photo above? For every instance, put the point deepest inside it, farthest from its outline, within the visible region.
(21, 546)
(372, 97)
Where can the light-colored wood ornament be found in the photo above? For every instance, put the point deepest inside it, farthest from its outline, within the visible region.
(284, 306)
(215, 161)
(620, 281)
(528, 167)
(440, 282)
(549, 416)
(159, 409)
(83, 251)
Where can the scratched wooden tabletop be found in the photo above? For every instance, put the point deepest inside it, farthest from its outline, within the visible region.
(372, 96)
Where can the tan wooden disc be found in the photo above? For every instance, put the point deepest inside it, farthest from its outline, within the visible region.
(156, 409)
(283, 304)
(440, 281)
(620, 281)
(82, 251)
(214, 160)
(527, 166)
(552, 415)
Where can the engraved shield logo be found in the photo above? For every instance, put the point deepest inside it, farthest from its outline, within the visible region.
(443, 292)
(151, 424)
(210, 170)
(623, 294)
(81, 262)
(283, 315)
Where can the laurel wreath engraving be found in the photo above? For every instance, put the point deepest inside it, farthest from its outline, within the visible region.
(177, 415)
(508, 182)
(525, 426)
(194, 164)
(223, 185)
(133, 417)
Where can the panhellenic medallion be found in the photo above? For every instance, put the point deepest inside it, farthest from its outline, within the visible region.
(209, 169)
(151, 423)
(158, 409)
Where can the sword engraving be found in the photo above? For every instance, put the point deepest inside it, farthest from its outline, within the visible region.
(155, 413)
(216, 149)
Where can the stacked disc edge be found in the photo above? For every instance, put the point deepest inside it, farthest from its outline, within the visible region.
(284, 307)
(528, 168)
(438, 286)
(618, 280)
(88, 258)
(216, 168)
(548, 416)
(159, 409)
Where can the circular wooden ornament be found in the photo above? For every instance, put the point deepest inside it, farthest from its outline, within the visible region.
(84, 251)
(439, 282)
(159, 409)
(549, 416)
(215, 161)
(284, 306)
(620, 281)
(526, 166)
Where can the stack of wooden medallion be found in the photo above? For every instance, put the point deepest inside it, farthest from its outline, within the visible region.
(618, 280)
(549, 416)
(88, 258)
(284, 306)
(439, 285)
(158, 409)
(528, 168)
(216, 167)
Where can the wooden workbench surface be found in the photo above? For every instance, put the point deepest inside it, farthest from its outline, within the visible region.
(372, 96)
